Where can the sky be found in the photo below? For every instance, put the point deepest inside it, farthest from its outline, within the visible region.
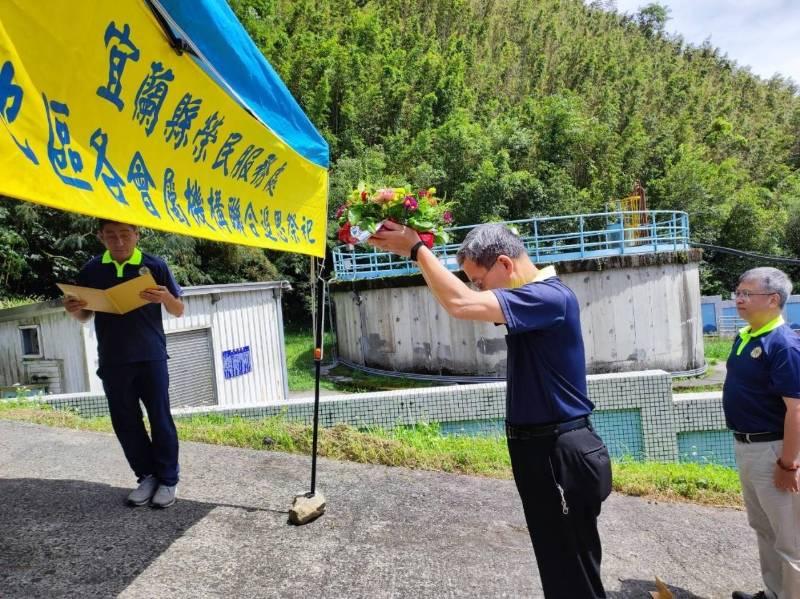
(761, 34)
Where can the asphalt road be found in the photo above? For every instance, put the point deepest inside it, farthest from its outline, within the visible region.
(387, 532)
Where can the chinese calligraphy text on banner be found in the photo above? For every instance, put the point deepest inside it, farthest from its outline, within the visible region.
(100, 116)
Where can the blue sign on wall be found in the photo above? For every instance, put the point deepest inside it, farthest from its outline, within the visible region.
(236, 362)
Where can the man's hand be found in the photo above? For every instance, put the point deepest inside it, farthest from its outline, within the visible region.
(73, 304)
(157, 295)
(76, 308)
(787, 480)
(395, 238)
(162, 295)
(790, 450)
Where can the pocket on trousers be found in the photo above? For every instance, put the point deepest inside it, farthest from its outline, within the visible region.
(598, 464)
(583, 466)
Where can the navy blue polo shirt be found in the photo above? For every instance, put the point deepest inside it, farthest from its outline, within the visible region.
(137, 336)
(758, 378)
(546, 360)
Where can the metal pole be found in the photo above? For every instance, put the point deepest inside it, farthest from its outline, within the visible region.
(320, 300)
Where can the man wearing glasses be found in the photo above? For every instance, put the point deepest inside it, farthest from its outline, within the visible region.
(761, 398)
(560, 465)
(132, 353)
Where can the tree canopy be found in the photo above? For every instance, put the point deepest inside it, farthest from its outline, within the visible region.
(513, 109)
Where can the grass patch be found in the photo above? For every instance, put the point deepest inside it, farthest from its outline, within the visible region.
(418, 447)
(16, 301)
(300, 360)
(716, 349)
(700, 483)
(678, 388)
(300, 370)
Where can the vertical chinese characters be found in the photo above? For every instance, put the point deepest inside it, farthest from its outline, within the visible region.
(139, 175)
(65, 161)
(103, 168)
(120, 51)
(150, 97)
(178, 126)
(11, 96)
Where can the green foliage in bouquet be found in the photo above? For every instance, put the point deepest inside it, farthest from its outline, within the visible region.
(367, 207)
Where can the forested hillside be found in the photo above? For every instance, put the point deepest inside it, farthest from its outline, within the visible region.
(512, 108)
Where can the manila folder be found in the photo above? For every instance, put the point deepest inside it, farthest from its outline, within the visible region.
(119, 299)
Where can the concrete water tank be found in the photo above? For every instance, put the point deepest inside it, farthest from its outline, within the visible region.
(638, 312)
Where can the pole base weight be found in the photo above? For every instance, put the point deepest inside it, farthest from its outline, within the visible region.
(306, 508)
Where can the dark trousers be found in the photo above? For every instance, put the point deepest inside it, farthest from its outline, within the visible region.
(125, 385)
(563, 528)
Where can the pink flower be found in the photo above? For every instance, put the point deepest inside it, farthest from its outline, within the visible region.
(340, 210)
(384, 196)
(447, 217)
(422, 193)
(410, 203)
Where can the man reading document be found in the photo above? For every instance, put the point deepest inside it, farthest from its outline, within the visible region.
(132, 352)
(561, 467)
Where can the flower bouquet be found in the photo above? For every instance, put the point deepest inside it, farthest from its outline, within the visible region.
(366, 209)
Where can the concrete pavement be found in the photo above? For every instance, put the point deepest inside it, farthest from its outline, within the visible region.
(388, 532)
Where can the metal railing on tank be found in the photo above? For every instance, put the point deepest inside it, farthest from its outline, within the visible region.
(547, 239)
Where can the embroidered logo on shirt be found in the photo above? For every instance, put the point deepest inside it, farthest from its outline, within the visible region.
(756, 352)
(144, 270)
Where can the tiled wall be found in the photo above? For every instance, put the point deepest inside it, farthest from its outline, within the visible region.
(635, 413)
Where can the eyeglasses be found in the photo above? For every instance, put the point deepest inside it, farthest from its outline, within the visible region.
(746, 295)
(477, 284)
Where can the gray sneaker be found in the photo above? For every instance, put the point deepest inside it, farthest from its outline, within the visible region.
(164, 496)
(142, 494)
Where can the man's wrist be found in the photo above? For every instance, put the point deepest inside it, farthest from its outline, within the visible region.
(791, 467)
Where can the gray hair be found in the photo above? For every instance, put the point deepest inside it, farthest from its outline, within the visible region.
(771, 280)
(486, 242)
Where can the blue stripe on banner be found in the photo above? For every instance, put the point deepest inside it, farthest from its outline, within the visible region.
(215, 31)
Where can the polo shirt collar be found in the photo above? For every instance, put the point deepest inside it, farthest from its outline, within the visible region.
(545, 273)
(746, 335)
(135, 260)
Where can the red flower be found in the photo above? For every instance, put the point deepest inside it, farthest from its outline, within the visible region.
(427, 238)
(364, 196)
(340, 211)
(344, 234)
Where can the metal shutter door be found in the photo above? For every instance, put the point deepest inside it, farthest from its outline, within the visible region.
(191, 369)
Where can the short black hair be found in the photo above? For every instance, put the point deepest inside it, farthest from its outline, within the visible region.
(102, 222)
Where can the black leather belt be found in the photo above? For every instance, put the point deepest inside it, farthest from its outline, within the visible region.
(538, 431)
(757, 437)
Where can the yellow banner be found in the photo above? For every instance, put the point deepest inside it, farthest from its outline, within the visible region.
(102, 117)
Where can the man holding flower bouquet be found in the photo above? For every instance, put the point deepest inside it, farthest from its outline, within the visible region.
(561, 466)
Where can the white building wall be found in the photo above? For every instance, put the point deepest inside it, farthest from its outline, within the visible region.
(236, 316)
(250, 319)
(59, 339)
(10, 354)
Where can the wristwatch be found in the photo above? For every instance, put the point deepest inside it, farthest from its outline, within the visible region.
(413, 254)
